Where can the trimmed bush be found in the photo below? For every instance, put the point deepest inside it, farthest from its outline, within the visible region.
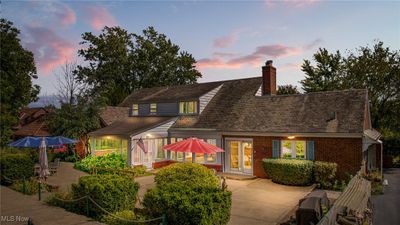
(324, 174)
(109, 161)
(186, 204)
(112, 192)
(126, 214)
(15, 166)
(191, 173)
(289, 171)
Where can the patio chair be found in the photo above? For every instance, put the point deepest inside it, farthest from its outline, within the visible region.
(36, 169)
(53, 166)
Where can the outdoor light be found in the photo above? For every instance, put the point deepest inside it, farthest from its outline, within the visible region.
(291, 137)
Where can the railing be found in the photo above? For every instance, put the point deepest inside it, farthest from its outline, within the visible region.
(352, 205)
(162, 219)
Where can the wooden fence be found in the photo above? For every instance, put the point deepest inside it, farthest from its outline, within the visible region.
(352, 206)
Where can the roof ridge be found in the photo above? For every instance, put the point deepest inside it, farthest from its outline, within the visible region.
(314, 93)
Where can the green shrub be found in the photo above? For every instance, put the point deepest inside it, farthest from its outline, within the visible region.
(15, 166)
(289, 171)
(186, 172)
(110, 161)
(112, 220)
(189, 204)
(30, 187)
(112, 192)
(324, 174)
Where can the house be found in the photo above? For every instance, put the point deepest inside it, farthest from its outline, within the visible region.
(32, 122)
(249, 121)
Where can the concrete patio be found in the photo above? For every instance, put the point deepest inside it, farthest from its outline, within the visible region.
(258, 201)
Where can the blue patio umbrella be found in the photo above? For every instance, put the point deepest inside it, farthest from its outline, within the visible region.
(34, 142)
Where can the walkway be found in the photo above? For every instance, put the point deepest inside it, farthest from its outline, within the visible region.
(386, 206)
(16, 208)
(65, 176)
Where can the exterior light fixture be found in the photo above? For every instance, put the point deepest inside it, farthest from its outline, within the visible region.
(291, 137)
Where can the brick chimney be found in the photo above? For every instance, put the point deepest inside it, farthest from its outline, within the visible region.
(269, 79)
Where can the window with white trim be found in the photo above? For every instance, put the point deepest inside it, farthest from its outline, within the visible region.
(189, 107)
(293, 149)
(153, 108)
(135, 109)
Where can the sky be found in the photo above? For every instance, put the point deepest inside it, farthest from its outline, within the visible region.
(229, 39)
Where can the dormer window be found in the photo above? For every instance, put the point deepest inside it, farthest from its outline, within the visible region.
(135, 109)
(153, 108)
(189, 107)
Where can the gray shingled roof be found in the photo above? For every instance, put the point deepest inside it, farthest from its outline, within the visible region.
(236, 108)
(111, 113)
(131, 125)
(169, 94)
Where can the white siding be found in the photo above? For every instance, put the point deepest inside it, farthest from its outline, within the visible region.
(259, 91)
(160, 131)
(206, 98)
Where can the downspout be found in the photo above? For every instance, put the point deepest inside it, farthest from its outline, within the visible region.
(381, 158)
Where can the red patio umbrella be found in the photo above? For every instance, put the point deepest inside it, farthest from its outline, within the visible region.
(194, 145)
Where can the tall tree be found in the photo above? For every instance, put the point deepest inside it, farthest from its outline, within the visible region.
(326, 74)
(374, 68)
(120, 62)
(17, 69)
(287, 90)
(67, 86)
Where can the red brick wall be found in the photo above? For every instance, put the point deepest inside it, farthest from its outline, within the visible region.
(346, 152)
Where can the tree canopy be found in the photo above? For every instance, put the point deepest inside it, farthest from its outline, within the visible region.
(287, 90)
(17, 69)
(119, 62)
(375, 68)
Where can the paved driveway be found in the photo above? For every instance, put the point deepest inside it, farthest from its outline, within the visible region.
(261, 201)
(253, 201)
(386, 206)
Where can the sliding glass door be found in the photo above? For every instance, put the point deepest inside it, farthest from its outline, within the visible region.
(239, 156)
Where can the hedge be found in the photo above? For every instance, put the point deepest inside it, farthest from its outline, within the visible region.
(109, 161)
(112, 192)
(186, 172)
(324, 174)
(289, 171)
(188, 193)
(186, 204)
(15, 166)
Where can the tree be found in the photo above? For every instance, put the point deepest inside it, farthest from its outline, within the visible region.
(376, 69)
(287, 90)
(120, 62)
(326, 75)
(76, 120)
(68, 88)
(17, 69)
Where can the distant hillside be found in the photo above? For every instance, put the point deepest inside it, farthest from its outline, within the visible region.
(45, 100)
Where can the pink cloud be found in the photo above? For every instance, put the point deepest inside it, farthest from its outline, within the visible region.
(255, 58)
(98, 17)
(49, 49)
(67, 16)
(228, 40)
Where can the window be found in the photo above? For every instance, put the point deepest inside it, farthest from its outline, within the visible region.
(172, 154)
(160, 153)
(179, 155)
(293, 149)
(211, 158)
(188, 107)
(135, 109)
(153, 108)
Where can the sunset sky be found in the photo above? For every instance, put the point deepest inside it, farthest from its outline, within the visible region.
(229, 39)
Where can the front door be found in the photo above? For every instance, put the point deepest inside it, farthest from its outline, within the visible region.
(240, 156)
